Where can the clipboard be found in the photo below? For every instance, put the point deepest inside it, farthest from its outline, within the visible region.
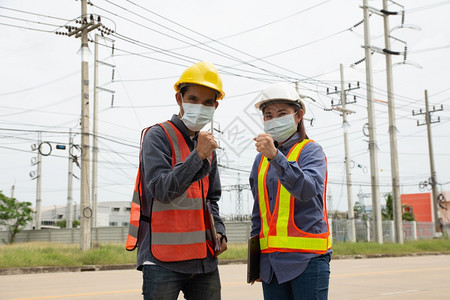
(253, 259)
(212, 226)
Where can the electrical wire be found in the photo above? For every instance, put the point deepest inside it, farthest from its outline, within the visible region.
(222, 53)
(41, 85)
(28, 28)
(422, 8)
(35, 14)
(29, 21)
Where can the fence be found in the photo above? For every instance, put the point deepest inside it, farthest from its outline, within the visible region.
(237, 232)
(365, 231)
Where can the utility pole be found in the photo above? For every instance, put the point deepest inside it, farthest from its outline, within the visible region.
(373, 148)
(69, 218)
(87, 24)
(85, 207)
(428, 122)
(239, 188)
(94, 194)
(95, 139)
(239, 206)
(345, 125)
(38, 178)
(397, 206)
(385, 13)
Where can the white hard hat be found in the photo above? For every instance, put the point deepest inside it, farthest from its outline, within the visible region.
(280, 92)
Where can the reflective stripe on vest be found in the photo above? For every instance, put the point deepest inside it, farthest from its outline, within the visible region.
(278, 229)
(135, 213)
(178, 227)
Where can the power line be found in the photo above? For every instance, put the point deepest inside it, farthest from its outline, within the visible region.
(422, 8)
(29, 21)
(35, 14)
(221, 52)
(41, 85)
(28, 28)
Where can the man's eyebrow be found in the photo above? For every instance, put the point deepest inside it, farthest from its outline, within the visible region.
(192, 97)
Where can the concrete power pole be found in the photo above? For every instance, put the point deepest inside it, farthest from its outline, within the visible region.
(69, 218)
(376, 209)
(38, 184)
(428, 122)
(345, 125)
(95, 139)
(85, 207)
(95, 131)
(397, 206)
(432, 169)
(87, 24)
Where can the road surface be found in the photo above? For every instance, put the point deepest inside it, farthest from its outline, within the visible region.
(413, 277)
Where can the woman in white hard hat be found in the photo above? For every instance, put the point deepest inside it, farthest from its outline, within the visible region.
(288, 182)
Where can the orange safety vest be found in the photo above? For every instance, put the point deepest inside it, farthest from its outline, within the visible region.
(178, 228)
(278, 229)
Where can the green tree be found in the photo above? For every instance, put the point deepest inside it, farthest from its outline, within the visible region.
(14, 215)
(408, 216)
(62, 223)
(388, 212)
(359, 211)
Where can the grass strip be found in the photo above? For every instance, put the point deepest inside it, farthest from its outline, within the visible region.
(36, 254)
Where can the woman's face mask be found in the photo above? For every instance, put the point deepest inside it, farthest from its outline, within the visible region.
(196, 116)
(281, 128)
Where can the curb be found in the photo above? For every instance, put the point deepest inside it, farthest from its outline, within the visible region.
(56, 269)
(92, 268)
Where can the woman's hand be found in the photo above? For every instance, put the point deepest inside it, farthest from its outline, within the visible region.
(264, 145)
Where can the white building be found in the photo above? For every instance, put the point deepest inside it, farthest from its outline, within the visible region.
(112, 213)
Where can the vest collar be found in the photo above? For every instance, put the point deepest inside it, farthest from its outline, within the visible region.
(182, 128)
(290, 142)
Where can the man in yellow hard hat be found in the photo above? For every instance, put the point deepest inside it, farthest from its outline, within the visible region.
(175, 220)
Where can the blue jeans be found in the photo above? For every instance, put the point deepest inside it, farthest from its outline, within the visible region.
(163, 284)
(311, 284)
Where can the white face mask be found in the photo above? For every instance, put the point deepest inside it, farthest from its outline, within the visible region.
(196, 116)
(281, 128)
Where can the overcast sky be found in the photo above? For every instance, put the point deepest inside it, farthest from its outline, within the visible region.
(253, 43)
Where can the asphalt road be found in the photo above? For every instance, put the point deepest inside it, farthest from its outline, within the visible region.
(414, 277)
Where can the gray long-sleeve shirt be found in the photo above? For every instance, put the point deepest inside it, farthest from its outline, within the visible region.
(165, 183)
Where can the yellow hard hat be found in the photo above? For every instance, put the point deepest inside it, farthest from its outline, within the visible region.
(201, 73)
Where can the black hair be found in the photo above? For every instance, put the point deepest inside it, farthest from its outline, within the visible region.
(184, 87)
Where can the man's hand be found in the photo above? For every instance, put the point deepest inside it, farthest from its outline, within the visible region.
(264, 145)
(223, 244)
(205, 144)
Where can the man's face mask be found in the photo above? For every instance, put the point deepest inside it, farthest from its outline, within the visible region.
(196, 116)
(281, 128)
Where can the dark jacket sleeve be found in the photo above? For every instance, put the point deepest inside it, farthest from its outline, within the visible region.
(214, 194)
(161, 180)
(253, 180)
